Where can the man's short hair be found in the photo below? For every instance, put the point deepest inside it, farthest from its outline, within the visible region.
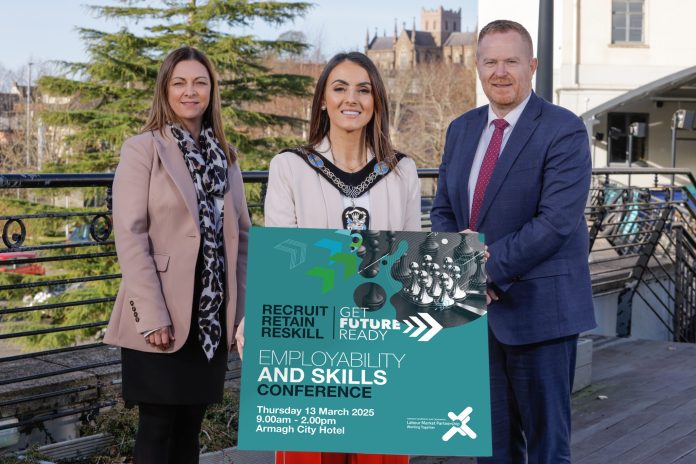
(505, 25)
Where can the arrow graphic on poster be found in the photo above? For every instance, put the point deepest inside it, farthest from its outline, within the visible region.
(432, 326)
(420, 324)
(332, 245)
(350, 263)
(296, 250)
(326, 275)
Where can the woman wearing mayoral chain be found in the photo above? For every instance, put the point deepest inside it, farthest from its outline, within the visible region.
(347, 176)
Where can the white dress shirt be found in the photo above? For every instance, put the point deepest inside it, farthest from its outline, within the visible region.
(512, 117)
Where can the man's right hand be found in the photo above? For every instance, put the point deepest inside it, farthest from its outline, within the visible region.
(491, 296)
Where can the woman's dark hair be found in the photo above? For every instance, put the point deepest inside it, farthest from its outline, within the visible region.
(376, 133)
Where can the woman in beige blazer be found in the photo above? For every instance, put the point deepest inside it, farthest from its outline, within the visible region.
(181, 225)
(347, 176)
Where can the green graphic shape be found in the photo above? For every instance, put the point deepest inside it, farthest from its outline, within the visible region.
(349, 262)
(327, 276)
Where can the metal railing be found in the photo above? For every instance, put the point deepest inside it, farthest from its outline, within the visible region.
(58, 280)
(642, 228)
(59, 275)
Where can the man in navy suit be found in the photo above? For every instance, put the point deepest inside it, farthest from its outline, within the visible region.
(518, 170)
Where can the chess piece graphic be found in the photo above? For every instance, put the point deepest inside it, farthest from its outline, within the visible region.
(429, 245)
(477, 283)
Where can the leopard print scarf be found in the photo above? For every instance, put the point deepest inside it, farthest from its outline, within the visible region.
(208, 168)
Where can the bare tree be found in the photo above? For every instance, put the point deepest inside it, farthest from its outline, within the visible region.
(46, 143)
(424, 100)
(400, 90)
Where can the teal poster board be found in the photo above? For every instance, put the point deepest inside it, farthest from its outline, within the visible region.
(371, 342)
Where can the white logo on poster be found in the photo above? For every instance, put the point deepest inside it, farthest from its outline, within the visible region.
(460, 426)
(433, 326)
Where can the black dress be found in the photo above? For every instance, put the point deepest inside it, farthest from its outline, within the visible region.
(183, 377)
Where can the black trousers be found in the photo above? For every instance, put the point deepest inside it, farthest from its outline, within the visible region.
(168, 434)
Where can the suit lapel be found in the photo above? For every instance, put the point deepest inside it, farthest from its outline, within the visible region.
(521, 133)
(173, 162)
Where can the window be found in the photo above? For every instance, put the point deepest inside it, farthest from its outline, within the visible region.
(404, 59)
(454, 26)
(627, 21)
(617, 142)
(426, 25)
(446, 25)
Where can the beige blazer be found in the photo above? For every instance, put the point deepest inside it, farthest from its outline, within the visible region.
(155, 215)
(298, 196)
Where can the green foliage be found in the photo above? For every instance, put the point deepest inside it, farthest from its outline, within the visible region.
(51, 230)
(219, 429)
(119, 422)
(221, 422)
(114, 89)
(30, 456)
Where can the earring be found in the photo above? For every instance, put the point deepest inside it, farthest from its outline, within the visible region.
(323, 107)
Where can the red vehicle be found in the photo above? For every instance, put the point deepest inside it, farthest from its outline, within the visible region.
(17, 267)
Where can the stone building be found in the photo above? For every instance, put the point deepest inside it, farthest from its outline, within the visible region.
(439, 40)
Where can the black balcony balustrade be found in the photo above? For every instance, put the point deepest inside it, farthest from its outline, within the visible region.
(59, 275)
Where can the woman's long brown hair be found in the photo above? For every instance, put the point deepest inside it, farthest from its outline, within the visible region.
(162, 114)
(377, 130)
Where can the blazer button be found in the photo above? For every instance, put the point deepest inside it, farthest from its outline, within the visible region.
(137, 319)
(131, 302)
(133, 309)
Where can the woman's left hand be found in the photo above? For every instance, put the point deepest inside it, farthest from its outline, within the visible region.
(239, 338)
(161, 338)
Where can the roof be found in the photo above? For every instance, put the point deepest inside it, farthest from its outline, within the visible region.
(460, 38)
(681, 84)
(381, 43)
(423, 38)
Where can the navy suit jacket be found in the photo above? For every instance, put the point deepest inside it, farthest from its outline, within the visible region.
(532, 217)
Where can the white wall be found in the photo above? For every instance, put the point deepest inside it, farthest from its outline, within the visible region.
(645, 324)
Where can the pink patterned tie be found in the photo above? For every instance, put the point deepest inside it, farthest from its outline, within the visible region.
(486, 171)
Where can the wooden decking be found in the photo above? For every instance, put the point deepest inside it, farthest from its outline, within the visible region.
(649, 414)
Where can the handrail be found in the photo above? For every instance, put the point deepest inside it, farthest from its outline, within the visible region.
(645, 171)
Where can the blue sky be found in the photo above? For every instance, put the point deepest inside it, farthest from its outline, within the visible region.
(43, 30)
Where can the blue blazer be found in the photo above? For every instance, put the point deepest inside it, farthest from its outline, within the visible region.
(532, 217)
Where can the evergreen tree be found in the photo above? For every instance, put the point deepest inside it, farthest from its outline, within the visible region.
(115, 87)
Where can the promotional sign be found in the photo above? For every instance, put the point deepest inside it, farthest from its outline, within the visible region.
(371, 342)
